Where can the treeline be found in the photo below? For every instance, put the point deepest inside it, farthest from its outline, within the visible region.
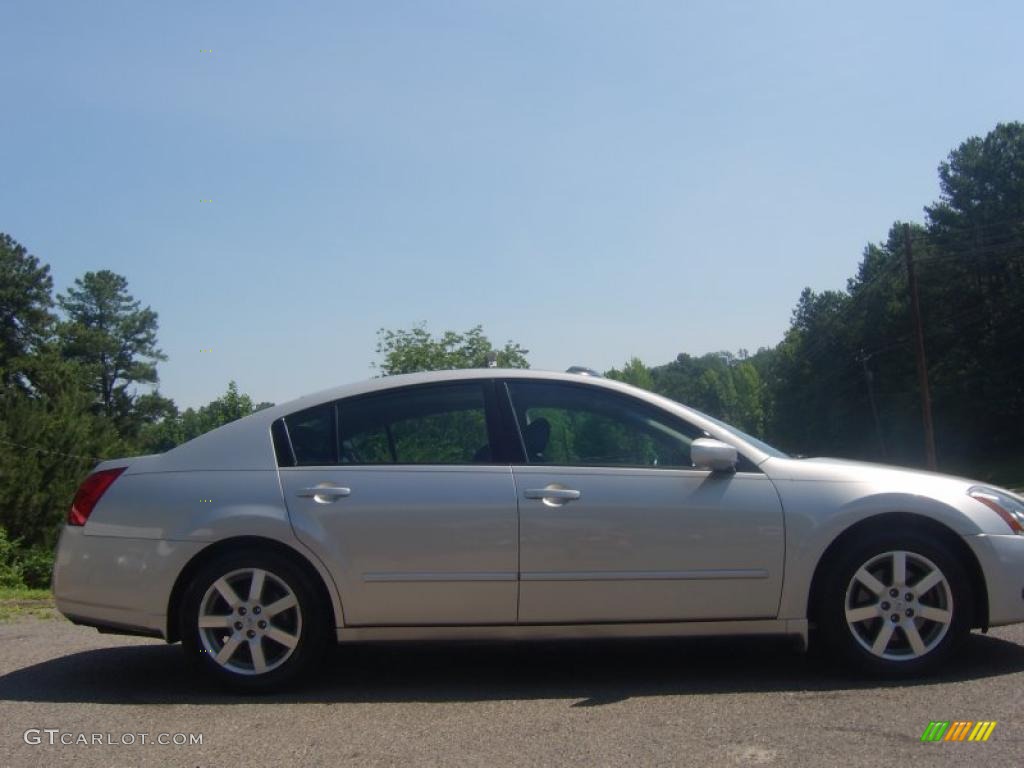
(812, 393)
(78, 371)
(71, 367)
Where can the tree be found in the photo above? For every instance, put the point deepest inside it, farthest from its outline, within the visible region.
(723, 385)
(415, 349)
(634, 372)
(973, 294)
(181, 427)
(26, 322)
(50, 438)
(114, 339)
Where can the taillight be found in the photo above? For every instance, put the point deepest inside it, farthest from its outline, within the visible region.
(89, 492)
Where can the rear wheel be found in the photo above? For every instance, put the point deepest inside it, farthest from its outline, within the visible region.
(253, 621)
(896, 605)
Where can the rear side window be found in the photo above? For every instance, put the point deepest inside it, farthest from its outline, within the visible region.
(442, 424)
(312, 435)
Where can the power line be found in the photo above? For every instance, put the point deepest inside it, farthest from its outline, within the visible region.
(55, 453)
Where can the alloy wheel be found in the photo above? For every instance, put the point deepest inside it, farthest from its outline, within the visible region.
(899, 606)
(249, 621)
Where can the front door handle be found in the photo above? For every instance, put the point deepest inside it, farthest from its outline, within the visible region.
(325, 493)
(552, 496)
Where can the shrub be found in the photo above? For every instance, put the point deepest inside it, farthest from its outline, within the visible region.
(24, 566)
(36, 567)
(10, 567)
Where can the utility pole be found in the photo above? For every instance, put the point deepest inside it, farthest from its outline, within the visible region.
(869, 378)
(922, 363)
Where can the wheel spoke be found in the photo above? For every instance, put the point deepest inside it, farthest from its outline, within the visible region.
(259, 662)
(256, 585)
(925, 584)
(910, 630)
(882, 641)
(286, 602)
(899, 568)
(870, 581)
(229, 649)
(229, 595)
(853, 615)
(211, 621)
(934, 614)
(282, 637)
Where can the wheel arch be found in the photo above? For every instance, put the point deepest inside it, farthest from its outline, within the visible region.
(887, 521)
(251, 543)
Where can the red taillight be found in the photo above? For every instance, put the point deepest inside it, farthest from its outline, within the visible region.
(89, 492)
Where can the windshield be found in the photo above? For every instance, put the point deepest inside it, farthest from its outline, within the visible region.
(759, 444)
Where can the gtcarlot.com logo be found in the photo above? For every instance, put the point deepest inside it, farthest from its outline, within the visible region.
(55, 737)
(958, 730)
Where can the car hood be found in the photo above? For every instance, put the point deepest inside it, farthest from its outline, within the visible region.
(848, 471)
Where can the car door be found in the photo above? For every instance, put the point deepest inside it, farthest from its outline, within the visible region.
(616, 524)
(397, 492)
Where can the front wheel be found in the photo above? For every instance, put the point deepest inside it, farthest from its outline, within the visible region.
(253, 621)
(897, 605)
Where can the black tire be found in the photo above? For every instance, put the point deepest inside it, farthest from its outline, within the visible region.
(936, 640)
(303, 627)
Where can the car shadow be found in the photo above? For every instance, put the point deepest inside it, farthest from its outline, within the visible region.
(591, 672)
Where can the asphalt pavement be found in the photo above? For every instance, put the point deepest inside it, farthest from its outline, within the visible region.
(699, 702)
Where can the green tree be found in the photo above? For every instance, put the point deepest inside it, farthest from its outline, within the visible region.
(721, 384)
(114, 338)
(180, 427)
(416, 349)
(50, 438)
(972, 297)
(26, 322)
(633, 372)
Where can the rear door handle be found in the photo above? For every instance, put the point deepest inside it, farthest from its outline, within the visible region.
(324, 494)
(552, 495)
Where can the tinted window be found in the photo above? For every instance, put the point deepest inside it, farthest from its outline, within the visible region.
(282, 448)
(312, 435)
(584, 426)
(420, 425)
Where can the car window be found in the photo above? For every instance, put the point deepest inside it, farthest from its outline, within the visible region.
(583, 426)
(312, 435)
(444, 424)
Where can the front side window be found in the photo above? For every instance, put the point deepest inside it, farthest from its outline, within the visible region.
(437, 424)
(574, 425)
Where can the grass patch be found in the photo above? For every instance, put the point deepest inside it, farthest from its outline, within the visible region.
(18, 602)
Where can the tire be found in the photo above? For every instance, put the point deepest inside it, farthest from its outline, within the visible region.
(263, 624)
(911, 632)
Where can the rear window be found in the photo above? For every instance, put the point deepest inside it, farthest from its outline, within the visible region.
(311, 433)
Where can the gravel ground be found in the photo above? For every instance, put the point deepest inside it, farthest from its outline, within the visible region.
(638, 703)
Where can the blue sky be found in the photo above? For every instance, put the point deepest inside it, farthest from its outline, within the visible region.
(595, 180)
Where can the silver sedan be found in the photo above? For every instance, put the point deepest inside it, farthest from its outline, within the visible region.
(519, 504)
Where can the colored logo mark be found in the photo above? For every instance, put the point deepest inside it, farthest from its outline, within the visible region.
(207, 350)
(958, 730)
(205, 201)
(206, 501)
(206, 50)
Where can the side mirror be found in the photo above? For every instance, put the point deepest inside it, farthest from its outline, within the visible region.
(713, 454)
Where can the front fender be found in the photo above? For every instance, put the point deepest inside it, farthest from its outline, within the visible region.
(817, 514)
